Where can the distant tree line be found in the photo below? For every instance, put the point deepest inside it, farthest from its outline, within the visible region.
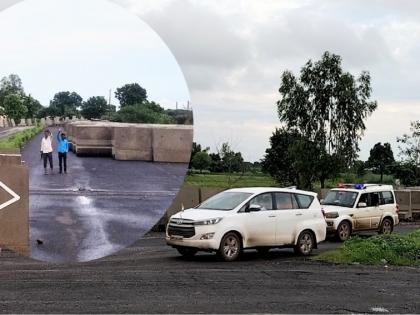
(134, 105)
(14, 102)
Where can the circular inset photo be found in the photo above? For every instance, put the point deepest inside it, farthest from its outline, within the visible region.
(95, 109)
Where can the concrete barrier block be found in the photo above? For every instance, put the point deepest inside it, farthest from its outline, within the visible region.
(172, 143)
(132, 142)
(10, 158)
(28, 122)
(14, 218)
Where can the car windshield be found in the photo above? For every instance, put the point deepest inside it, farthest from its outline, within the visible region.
(225, 201)
(340, 198)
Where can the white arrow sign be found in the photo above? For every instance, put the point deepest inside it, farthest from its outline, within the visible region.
(15, 196)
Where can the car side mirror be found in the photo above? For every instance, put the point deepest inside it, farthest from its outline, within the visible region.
(254, 208)
(361, 205)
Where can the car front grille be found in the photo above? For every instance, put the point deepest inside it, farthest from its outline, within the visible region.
(181, 227)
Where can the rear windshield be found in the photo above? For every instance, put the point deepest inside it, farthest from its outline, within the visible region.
(340, 198)
(225, 201)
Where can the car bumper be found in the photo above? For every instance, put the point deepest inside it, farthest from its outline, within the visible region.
(197, 240)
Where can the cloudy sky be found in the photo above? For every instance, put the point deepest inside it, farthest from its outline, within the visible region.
(232, 54)
(86, 46)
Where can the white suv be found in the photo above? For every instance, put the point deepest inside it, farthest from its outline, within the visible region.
(260, 218)
(357, 207)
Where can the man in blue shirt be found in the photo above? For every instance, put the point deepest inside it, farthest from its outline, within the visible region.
(62, 148)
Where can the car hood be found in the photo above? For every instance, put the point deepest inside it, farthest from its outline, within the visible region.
(200, 214)
(332, 208)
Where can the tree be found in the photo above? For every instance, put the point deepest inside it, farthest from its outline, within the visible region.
(201, 161)
(324, 109)
(327, 105)
(406, 172)
(131, 94)
(33, 106)
(381, 158)
(410, 144)
(14, 107)
(94, 107)
(278, 161)
(66, 104)
(11, 84)
(231, 161)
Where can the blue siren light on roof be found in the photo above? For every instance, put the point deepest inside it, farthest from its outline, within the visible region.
(359, 186)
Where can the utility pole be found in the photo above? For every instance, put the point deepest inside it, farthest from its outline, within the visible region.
(110, 93)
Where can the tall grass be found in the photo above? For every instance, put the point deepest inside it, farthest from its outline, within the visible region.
(394, 249)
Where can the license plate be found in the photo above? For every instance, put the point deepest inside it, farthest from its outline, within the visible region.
(176, 238)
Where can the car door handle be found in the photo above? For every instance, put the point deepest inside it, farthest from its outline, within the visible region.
(271, 216)
(298, 214)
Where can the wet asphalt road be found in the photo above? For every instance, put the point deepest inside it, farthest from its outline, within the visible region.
(150, 277)
(99, 207)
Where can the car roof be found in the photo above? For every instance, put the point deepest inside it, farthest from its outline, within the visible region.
(367, 188)
(259, 190)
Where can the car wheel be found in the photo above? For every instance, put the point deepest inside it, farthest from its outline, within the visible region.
(344, 231)
(305, 243)
(187, 252)
(230, 247)
(387, 226)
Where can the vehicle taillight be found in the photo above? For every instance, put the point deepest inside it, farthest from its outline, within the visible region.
(397, 208)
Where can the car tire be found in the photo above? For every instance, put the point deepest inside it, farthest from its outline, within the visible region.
(305, 243)
(343, 231)
(387, 226)
(230, 247)
(187, 252)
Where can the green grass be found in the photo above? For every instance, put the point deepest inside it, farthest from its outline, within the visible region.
(19, 139)
(228, 181)
(394, 249)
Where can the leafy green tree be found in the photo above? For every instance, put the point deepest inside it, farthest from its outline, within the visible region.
(216, 163)
(324, 109)
(65, 104)
(94, 107)
(14, 107)
(278, 161)
(230, 161)
(11, 84)
(196, 148)
(327, 105)
(201, 161)
(381, 158)
(33, 106)
(407, 172)
(131, 94)
(410, 144)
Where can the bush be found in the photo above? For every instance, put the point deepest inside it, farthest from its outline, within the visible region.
(394, 249)
(18, 140)
(141, 114)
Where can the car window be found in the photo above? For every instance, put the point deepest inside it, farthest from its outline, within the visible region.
(226, 200)
(387, 197)
(364, 198)
(340, 198)
(265, 201)
(373, 200)
(284, 201)
(304, 200)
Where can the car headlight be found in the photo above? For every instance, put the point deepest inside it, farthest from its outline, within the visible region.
(331, 215)
(208, 222)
